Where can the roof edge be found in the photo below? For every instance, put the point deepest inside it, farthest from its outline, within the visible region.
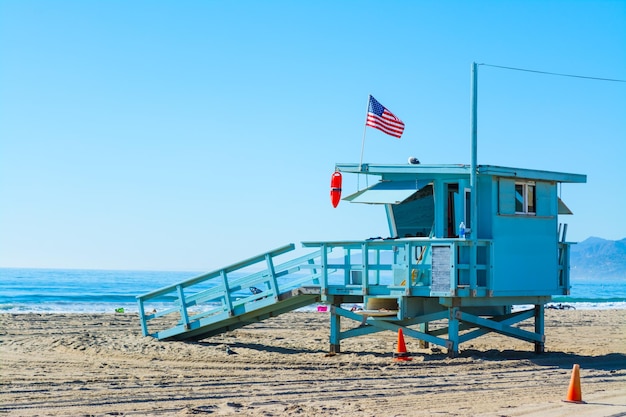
(460, 169)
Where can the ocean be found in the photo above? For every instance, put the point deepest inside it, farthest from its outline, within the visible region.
(94, 291)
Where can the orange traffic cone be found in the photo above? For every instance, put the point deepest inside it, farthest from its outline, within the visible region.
(401, 354)
(574, 394)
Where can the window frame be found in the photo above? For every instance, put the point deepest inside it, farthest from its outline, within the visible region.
(529, 192)
(467, 207)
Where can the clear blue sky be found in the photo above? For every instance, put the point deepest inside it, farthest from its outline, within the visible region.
(189, 135)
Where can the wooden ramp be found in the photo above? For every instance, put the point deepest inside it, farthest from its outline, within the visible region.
(287, 301)
(230, 298)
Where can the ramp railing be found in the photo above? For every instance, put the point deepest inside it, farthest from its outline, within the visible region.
(231, 291)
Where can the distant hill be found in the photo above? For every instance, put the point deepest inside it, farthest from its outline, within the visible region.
(598, 258)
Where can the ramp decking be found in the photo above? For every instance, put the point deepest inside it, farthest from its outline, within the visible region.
(229, 298)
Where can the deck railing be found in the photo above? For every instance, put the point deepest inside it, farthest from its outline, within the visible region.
(411, 266)
(563, 267)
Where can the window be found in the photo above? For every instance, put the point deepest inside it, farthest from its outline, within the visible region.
(525, 198)
(468, 208)
(415, 216)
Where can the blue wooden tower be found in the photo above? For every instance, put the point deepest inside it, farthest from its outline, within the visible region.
(475, 248)
(447, 263)
(477, 265)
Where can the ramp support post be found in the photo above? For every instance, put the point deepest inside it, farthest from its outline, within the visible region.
(142, 318)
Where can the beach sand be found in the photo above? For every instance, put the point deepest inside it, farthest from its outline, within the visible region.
(99, 364)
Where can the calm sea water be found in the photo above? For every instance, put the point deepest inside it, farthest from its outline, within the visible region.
(91, 291)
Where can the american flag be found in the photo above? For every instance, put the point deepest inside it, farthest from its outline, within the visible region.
(382, 119)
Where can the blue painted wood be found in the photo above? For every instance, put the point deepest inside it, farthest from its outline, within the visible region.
(142, 318)
(227, 296)
(453, 330)
(183, 307)
(216, 273)
(539, 328)
(509, 258)
(501, 327)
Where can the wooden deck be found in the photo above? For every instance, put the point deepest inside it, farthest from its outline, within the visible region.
(400, 283)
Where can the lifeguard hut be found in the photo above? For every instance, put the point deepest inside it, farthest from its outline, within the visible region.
(475, 248)
(476, 272)
(448, 263)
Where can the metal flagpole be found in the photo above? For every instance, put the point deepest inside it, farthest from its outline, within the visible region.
(473, 182)
(474, 163)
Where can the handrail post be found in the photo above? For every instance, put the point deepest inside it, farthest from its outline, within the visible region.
(183, 306)
(272, 272)
(347, 255)
(490, 268)
(377, 282)
(473, 267)
(313, 271)
(324, 259)
(365, 266)
(227, 300)
(455, 274)
(566, 249)
(408, 254)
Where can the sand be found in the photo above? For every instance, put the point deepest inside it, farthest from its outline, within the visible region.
(99, 364)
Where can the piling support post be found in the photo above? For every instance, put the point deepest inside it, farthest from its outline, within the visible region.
(453, 332)
(539, 328)
(423, 327)
(335, 330)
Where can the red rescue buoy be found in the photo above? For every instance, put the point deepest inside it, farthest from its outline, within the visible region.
(335, 188)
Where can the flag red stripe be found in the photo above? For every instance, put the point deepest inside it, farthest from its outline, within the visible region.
(388, 123)
(394, 132)
(386, 129)
(385, 121)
